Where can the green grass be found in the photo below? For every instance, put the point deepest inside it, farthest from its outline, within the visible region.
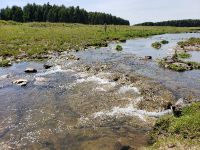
(4, 63)
(119, 48)
(156, 45)
(164, 42)
(184, 55)
(195, 65)
(185, 128)
(190, 42)
(37, 39)
(177, 67)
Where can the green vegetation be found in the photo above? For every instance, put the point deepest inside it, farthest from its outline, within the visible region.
(38, 40)
(164, 42)
(123, 40)
(156, 45)
(185, 128)
(5, 63)
(175, 63)
(49, 13)
(119, 48)
(194, 65)
(189, 42)
(175, 23)
(184, 55)
(178, 67)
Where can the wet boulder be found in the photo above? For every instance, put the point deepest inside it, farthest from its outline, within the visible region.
(20, 82)
(119, 146)
(30, 70)
(47, 66)
(148, 57)
(177, 108)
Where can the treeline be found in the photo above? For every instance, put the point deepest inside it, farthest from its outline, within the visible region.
(176, 23)
(54, 13)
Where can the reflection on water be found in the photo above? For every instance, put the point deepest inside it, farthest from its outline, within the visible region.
(67, 108)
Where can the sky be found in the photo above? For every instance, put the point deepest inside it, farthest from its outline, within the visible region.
(136, 11)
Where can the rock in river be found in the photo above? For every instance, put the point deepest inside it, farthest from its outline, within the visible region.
(147, 57)
(21, 82)
(30, 70)
(47, 66)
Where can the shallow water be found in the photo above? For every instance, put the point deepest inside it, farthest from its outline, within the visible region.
(66, 107)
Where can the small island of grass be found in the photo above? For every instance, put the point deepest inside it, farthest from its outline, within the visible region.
(119, 48)
(156, 45)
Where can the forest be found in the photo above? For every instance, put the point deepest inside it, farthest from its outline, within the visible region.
(174, 23)
(54, 13)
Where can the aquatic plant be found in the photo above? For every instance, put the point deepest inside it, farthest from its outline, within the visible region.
(164, 42)
(184, 55)
(156, 45)
(119, 48)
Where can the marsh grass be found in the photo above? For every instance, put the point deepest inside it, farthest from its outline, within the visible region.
(190, 42)
(184, 55)
(184, 130)
(37, 39)
(156, 45)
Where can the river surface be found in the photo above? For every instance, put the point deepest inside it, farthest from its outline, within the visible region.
(106, 100)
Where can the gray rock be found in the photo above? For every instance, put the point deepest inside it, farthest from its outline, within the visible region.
(47, 66)
(20, 82)
(178, 107)
(147, 57)
(30, 70)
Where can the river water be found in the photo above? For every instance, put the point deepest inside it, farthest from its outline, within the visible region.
(82, 105)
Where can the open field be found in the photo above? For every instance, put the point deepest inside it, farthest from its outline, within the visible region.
(36, 40)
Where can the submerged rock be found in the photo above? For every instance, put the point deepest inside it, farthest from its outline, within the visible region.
(20, 82)
(47, 66)
(30, 70)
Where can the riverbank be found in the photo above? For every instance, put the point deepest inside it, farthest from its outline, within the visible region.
(37, 41)
(178, 132)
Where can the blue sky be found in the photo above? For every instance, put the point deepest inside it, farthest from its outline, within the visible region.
(135, 11)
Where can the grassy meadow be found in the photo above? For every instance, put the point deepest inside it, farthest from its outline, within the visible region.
(178, 132)
(35, 40)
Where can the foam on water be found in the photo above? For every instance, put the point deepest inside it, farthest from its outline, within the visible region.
(96, 79)
(53, 70)
(50, 71)
(128, 88)
(130, 110)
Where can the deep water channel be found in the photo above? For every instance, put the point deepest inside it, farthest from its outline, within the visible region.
(105, 100)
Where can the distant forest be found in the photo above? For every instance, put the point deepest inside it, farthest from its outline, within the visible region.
(54, 13)
(175, 23)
